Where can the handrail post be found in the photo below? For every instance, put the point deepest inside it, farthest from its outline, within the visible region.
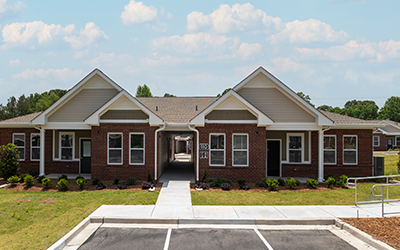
(387, 190)
(383, 203)
(355, 190)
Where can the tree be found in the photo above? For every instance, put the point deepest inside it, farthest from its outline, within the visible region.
(46, 101)
(306, 98)
(224, 92)
(9, 156)
(143, 91)
(366, 110)
(169, 95)
(391, 109)
(325, 107)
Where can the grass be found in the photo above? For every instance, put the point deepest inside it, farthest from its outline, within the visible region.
(34, 225)
(390, 164)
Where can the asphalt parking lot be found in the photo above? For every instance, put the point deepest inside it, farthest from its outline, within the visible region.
(201, 238)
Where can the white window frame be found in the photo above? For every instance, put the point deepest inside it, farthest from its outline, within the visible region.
(209, 161)
(108, 149)
(143, 149)
(334, 150)
(356, 150)
(396, 140)
(24, 147)
(288, 135)
(60, 147)
(379, 141)
(32, 147)
(242, 150)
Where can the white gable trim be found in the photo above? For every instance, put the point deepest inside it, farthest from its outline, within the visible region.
(42, 118)
(262, 119)
(390, 124)
(321, 119)
(94, 119)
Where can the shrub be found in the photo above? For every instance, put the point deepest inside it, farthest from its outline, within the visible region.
(100, 186)
(272, 184)
(95, 180)
(81, 183)
(225, 186)
(209, 179)
(217, 182)
(116, 180)
(204, 178)
(79, 177)
(330, 182)
(312, 183)
(40, 178)
(13, 180)
(204, 186)
(262, 183)
(149, 178)
(292, 182)
(241, 181)
(130, 182)
(8, 160)
(390, 149)
(63, 177)
(281, 182)
(343, 180)
(62, 184)
(122, 186)
(28, 180)
(33, 172)
(22, 177)
(146, 185)
(244, 187)
(46, 182)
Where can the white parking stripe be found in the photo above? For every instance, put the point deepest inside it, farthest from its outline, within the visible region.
(263, 239)
(166, 246)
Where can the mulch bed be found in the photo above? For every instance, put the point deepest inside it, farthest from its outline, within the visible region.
(384, 229)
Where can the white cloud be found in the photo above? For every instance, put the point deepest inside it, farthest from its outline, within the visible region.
(286, 65)
(6, 8)
(79, 54)
(137, 12)
(380, 52)
(239, 17)
(351, 76)
(14, 62)
(308, 31)
(60, 74)
(247, 51)
(91, 34)
(37, 32)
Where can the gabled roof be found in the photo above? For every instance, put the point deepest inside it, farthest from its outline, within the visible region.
(25, 119)
(350, 121)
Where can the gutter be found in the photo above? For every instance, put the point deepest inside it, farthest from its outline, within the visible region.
(155, 150)
(197, 151)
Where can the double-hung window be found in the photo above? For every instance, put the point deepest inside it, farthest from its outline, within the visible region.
(136, 148)
(217, 149)
(35, 147)
(376, 141)
(397, 141)
(114, 148)
(349, 149)
(295, 148)
(67, 146)
(240, 152)
(19, 142)
(330, 149)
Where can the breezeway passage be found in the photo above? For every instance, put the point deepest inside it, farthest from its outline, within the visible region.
(216, 239)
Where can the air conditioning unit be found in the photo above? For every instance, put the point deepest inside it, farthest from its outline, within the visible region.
(379, 165)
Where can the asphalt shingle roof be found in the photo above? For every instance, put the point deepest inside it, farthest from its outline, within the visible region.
(343, 119)
(25, 119)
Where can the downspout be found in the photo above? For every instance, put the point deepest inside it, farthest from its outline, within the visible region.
(42, 141)
(155, 151)
(321, 153)
(197, 151)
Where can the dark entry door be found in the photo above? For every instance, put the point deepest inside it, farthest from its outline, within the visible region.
(273, 158)
(389, 144)
(86, 155)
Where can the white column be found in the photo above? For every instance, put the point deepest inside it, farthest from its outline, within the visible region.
(320, 155)
(42, 159)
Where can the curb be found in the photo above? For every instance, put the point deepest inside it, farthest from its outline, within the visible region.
(61, 243)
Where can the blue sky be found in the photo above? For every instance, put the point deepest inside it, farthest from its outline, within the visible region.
(332, 50)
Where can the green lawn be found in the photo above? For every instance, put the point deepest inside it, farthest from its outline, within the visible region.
(34, 225)
(390, 164)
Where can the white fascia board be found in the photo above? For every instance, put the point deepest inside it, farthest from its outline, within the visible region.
(41, 119)
(124, 121)
(17, 125)
(321, 119)
(390, 124)
(67, 126)
(294, 126)
(94, 119)
(358, 126)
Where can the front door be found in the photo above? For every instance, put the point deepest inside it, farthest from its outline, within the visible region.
(86, 155)
(273, 158)
(389, 144)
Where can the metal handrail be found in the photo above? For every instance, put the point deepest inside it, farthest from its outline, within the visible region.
(381, 195)
(353, 185)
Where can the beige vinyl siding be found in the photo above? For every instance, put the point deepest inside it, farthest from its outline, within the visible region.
(230, 115)
(82, 105)
(391, 129)
(124, 115)
(276, 105)
(282, 135)
(78, 134)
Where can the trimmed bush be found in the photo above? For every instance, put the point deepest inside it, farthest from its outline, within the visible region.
(46, 182)
(281, 182)
(130, 182)
(217, 182)
(330, 182)
(79, 177)
(40, 178)
(204, 186)
(292, 182)
(272, 184)
(122, 186)
(62, 184)
(262, 183)
(34, 173)
(146, 185)
(343, 180)
(81, 183)
(241, 181)
(95, 180)
(9, 162)
(63, 177)
(225, 186)
(116, 180)
(312, 183)
(100, 186)
(28, 180)
(22, 177)
(244, 187)
(13, 180)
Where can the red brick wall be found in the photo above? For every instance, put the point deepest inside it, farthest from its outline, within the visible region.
(101, 169)
(382, 142)
(257, 146)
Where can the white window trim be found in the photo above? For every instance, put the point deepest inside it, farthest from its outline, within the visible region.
(247, 150)
(130, 149)
(302, 147)
(209, 154)
(379, 140)
(32, 147)
(108, 149)
(335, 150)
(396, 140)
(73, 145)
(24, 147)
(356, 163)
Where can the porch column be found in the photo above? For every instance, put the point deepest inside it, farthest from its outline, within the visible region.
(320, 155)
(42, 159)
